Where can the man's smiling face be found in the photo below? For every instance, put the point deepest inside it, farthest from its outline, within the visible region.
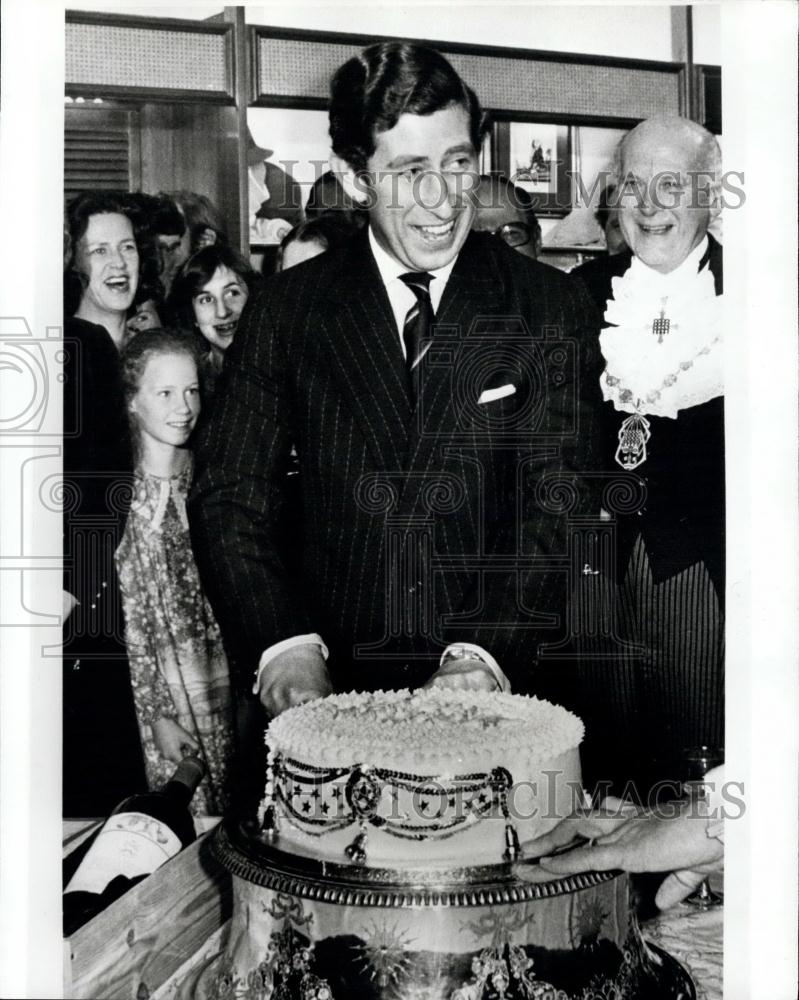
(422, 176)
(659, 207)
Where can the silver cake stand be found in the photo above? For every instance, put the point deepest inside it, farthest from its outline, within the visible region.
(255, 858)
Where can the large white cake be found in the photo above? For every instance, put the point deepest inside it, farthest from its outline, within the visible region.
(430, 777)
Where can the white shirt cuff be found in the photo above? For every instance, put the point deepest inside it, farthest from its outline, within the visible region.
(481, 654)
(280, 647)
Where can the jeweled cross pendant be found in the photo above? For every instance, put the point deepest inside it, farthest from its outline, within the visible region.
(661, 324)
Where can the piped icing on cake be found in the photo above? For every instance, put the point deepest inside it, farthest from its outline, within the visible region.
(421, 730)
(405, 778)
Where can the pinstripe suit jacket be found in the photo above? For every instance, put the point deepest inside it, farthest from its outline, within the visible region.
(413, 522)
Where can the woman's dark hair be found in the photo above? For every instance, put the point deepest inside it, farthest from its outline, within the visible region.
(79, 210)
(195, 275)
(370, 92)
(332, 229)
(200, 214)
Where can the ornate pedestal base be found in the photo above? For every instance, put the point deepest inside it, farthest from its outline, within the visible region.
(307, 930)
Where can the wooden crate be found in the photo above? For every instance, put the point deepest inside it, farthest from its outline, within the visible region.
(130, 949)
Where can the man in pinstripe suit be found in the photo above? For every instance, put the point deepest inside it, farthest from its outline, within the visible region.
(427, 378)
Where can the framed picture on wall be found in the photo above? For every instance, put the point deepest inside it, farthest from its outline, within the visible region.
(535, 155)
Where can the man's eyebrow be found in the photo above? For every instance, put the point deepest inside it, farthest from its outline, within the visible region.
(463, 147)
(403, 161)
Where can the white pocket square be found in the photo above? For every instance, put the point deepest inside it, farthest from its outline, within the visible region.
(489, 395)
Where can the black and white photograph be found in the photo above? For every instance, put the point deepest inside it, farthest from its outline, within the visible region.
(533, 156)
(538, 160)
(399, 435)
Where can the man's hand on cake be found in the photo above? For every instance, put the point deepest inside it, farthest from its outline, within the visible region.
(293, 677)
(464, 674)
(620, 835)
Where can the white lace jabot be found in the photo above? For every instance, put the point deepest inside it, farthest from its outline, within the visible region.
(678, 365)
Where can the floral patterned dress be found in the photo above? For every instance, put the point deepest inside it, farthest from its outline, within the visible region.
(178, 667)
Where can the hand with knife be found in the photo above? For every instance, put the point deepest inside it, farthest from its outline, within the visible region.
(674, 838)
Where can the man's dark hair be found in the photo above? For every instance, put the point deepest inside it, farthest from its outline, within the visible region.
(330, 229)
(328, 196)
(370, 92)
(490, 187)
(524, 200)
(166, 219)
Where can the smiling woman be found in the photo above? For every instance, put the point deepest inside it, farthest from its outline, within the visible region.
(108, 256)
(104, 271)
(209, 294)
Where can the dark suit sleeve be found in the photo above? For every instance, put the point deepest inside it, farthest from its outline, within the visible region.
(237, 507)
(555, 482)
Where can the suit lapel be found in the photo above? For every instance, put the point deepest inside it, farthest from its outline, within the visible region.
(474, 290)
(366, 359)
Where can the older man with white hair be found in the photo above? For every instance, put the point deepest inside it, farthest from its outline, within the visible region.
(660, 390)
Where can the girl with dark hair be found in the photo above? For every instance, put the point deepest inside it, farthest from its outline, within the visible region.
(209, 294)
(178, 669)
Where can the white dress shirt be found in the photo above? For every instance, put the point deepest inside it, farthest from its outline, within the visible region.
(400, 296)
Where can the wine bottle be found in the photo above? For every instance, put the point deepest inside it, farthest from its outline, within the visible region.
(141, 834)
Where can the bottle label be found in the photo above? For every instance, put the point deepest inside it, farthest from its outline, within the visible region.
(130, 844)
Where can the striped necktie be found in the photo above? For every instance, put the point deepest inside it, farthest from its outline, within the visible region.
(418, 324)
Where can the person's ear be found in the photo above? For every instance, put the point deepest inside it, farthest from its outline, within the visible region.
(207, 237)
